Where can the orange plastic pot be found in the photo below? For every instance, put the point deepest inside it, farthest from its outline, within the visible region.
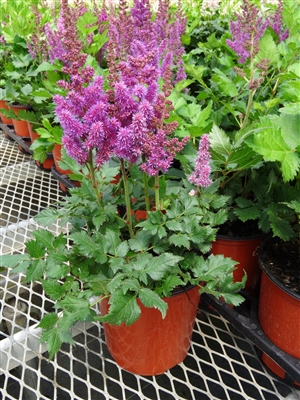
(57, 157)
(279, 317)
(33, 135)
(20, 126)
(152, 345)
(4, 119)
(243, 250)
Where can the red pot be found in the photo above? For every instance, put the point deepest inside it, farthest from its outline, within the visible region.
(152, 345)
(57, 157)
(20, 126)
(4, 119)
(279, 317)
(243, 250)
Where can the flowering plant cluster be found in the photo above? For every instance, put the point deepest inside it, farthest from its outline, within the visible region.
(119, 141)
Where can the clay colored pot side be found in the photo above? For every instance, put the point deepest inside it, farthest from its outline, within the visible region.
(152, 345)
(4, 119)
(242, 250)
(279, 315)
(21, 127)
(33, 135)
(57, 157)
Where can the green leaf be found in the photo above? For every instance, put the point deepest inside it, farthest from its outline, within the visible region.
(35, 271)
(157, 267)
(35, 249)
(12, 261)
(46, 217)
(140, 242)
(180, 240)
(48, 321)
(226, 85)
(87, 245)
(267, 49)
(123, 308)
(44, 237)
(53, 289)
(151, 299)
(27, 89)
(53, 341)
(219, 141)
(73, 304)
(46, 66)
(122, 249)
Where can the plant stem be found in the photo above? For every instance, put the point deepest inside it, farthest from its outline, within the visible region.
(156, 189)
(146, 191)
(91, 169)
(127, 199)
(249, 105)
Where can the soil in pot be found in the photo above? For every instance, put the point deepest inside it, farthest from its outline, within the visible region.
(279, 301)
(152, 345)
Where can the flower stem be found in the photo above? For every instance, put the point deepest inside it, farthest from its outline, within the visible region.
(127, 199)
(156, 189)
(91, 169)
(146, 191)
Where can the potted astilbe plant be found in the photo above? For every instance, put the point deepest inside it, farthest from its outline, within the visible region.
(121, 149)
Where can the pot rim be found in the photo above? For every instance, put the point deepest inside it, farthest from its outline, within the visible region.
(240, 238)
(272, 277)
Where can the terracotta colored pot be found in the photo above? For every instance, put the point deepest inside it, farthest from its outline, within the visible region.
(243, 250)
(33, 135)
(57, 157)
(20, 126)
(152, 345)
(49, 162)
(279, 317)
(4, 119)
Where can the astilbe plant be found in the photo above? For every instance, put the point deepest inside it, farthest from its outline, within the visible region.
(113, 126)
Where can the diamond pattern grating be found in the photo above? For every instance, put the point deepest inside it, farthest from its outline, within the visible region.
(221, 364)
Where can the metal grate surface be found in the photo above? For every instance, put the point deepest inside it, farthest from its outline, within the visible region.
(221, 363)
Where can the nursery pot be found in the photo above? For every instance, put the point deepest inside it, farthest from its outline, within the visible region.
(20, 126)
(242, 250)
(57, 158)
(152, 345)
(4, 119)
(49, 162)
(279, 316)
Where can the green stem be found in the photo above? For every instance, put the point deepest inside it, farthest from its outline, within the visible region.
(127, 199)
(146, 191)
(156, 189)
(249, 105)
(90, 164)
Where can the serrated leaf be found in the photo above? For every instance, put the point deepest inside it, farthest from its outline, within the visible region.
(130, 284)
(46, 217)
(122, 249)
(140, 242)
(267, 49)
(73, 304)
(53, 289)
(45, 237)
(157, 267)
(123, 308)
(174, 225)
(219, 141)
(151, 299)
(35, 271)
(86, 244)
(226, 85)
(35, 249)
(12, 261)
(53, 341)
(180, 240)
(48, 321)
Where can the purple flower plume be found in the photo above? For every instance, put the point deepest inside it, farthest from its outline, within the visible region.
(246, 32)
(127, 119)
(275, 22)
(200, 176)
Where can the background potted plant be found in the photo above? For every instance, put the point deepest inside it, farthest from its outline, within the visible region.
(243, 92)
(108, 256)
